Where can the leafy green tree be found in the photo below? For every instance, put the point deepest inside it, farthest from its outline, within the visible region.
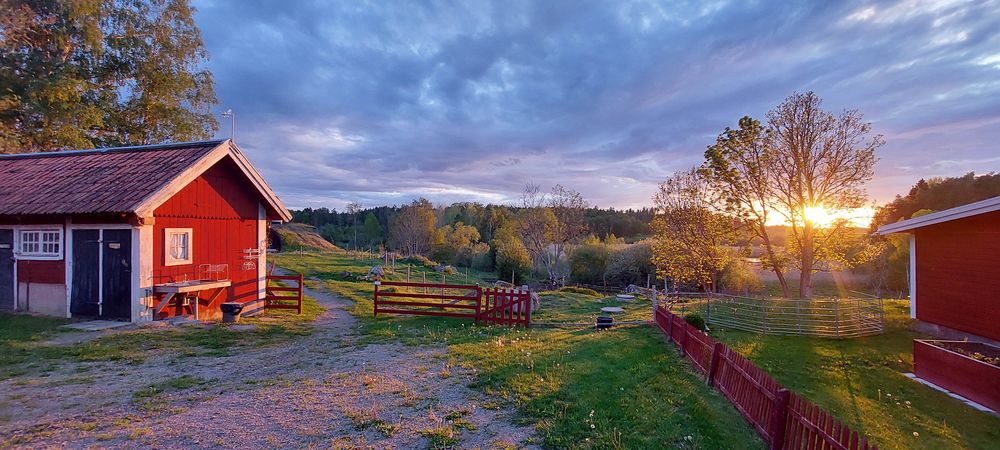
(588, 262)
(512, 256)
(371, 229)
(80, 74)
(741, 166)
(458, 244)
(938, 194)
(692, 244)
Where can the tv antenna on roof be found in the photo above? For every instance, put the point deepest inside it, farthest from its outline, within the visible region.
(229, 114)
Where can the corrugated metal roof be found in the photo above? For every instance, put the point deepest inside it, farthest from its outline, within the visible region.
(111, 180)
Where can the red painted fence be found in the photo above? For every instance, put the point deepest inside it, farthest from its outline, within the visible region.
(783, 420)
(493, 306)
(283, 296)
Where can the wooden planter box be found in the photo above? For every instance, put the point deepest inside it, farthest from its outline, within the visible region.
(973, 379)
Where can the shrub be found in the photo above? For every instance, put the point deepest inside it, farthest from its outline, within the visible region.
(630, 265)
(580, 290)
(512, 257)
(739, 277)
(588, 263)
(420, 260)
(695, 320)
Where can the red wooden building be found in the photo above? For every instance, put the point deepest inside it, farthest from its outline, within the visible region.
(955, 268)
(115, 232)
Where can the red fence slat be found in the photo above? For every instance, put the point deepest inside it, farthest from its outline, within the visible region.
(272, 301)
(783, 419)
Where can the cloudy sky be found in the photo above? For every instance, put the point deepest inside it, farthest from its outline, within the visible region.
(383, 102)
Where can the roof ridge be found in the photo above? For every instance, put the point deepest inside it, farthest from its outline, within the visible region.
(91, 151)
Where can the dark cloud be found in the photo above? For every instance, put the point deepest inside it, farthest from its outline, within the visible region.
(455, 101)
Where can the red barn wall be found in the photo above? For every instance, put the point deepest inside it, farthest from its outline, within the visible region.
(222, 211)
(958, 274)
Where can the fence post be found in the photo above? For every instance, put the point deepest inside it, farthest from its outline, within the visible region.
(301, 288)
(375, 303)
(836, 315)
(713, 365)
(708, 312)
(684, 338)
(527, 304)
(670, 326)
(653, 318)
(779, 415)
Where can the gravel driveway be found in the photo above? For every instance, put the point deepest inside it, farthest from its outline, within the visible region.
(316, 391)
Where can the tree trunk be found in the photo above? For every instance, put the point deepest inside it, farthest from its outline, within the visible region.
(774, 266)
(805, 276)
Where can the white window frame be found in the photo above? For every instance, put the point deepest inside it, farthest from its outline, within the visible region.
(40, 255)
(168, 259)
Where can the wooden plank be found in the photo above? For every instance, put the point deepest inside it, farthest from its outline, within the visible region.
(426, 313)
(427, 296)
(433, 305)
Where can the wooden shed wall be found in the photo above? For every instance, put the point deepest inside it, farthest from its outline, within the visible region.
(958, 274)
(222, 211)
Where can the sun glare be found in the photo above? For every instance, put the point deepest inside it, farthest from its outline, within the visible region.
(819, 216)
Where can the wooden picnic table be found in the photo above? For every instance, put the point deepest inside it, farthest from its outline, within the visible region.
(187, 287)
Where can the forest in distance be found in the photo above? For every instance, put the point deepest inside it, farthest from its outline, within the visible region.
(614, 246)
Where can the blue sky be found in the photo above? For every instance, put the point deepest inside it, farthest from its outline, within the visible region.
(383, 102)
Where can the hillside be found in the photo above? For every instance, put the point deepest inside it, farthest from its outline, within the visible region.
(298, 236)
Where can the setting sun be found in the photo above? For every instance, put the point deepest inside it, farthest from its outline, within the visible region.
(819, 216)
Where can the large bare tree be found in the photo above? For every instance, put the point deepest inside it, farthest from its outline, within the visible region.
(549, 224)
(741, 166)
(412, 230)
(820, 161)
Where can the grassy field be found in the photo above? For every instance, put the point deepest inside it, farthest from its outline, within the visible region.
(582, 388)
(861, 382)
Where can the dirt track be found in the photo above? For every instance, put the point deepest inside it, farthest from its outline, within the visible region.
(319, 390)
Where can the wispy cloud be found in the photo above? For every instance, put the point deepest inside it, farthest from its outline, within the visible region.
(384, 102)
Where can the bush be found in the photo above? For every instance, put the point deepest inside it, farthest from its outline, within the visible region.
(420, 260)
(580, 290)
(588, 263)
(630, 265)
(695, 320)
(740, 278)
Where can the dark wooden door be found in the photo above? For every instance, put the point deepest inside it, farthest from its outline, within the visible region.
(116, 274)
(6, 269)
(85, 291)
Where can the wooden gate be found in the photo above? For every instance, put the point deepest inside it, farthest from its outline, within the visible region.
(493, 306)
(282, 296)
(506, 307)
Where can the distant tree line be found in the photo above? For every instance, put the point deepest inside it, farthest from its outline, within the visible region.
(533, 239)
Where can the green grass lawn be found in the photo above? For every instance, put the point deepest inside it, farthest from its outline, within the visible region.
(861, 382)
(26, 347)
(582, 388)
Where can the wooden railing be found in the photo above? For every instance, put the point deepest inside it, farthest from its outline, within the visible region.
(783, 420)
(493, 306)
(282, 296)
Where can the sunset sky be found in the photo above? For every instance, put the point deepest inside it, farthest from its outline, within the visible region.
(466, 101)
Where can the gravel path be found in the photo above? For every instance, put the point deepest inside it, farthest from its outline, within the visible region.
(316, 391)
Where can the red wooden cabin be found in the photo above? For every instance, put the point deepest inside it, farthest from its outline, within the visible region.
(955, 268)
(112, 232)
